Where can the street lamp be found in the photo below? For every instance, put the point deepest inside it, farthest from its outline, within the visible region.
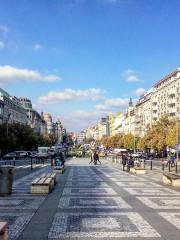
(7, 129)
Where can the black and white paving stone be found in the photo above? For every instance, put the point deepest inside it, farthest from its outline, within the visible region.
(94, 202)
(18, 208)
(100, 225)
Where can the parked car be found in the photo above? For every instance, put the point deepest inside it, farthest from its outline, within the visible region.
(9, 156)
(22, 154)
(17, 155)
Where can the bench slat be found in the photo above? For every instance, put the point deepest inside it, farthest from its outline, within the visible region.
(35, 180)
(41, 180)
(48, 181)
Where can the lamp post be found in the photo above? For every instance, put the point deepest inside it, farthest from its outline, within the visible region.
(7, 129)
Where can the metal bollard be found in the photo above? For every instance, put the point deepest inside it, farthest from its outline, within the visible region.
(144, 163)
(162, 166)
(31, 164)
(176, 167)
(151, 165)
(14, 163)
(169, 167)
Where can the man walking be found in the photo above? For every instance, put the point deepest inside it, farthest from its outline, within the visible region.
(96, 158)
(92, 157)
(124, 160)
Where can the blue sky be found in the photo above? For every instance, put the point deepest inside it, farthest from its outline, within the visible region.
(80, 59)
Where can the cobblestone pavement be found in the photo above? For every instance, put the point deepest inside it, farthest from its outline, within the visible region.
(94, 202)
(19, 208)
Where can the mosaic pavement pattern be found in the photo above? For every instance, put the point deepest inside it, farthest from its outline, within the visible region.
(85, 202)
(169, 202)
(151, 191)
(91, 189)
(18, 208)
(101, 225)
(16, 222)
(97, 203)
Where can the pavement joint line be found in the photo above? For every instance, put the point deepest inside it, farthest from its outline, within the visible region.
(42, 220)
(85, 213)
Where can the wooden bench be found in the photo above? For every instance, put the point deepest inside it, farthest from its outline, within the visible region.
(59, 169)
(50, 175)
(138, 170)
(3, 231)
(42, 185)
(171, 179)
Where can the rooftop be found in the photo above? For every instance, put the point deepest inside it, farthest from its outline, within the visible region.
(164, 79)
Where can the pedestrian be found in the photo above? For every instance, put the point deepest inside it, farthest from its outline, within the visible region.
(92, 157)
(96, 158)
(61, 157)
(124, 161)
(168, 160)
(83, 153)
(130, 163)
(58, 162)
(173, 160)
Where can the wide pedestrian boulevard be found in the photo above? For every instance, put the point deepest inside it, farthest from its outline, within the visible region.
(93, 202)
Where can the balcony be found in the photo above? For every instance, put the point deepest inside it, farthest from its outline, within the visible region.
(172, 101)
(154, 103)
(171, 105)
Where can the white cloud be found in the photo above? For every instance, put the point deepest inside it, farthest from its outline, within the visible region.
(9, 74)
(139, 92)
(112, 103)
(37, 46)
(80, 119)
(131, 76)
(70, 94)
(2, 45)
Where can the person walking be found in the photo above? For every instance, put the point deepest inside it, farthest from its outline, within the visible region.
(96, 158)
(92, 157)
(168, 160)
(58, 162)
(173, 160)
(61, 157)
(130, 163)
(124, 161)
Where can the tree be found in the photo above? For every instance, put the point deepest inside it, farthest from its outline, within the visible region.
(173, 135)
(20, 137)
(128, 141)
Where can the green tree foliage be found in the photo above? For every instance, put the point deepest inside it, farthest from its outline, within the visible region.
(128, 141)
(163, 133)
(20, 137)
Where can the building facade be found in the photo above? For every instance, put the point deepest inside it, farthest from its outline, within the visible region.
(165, 98)
(1, 111)
(35, 120)
(103, 128)
(143, 114)
(81, 137)
(49, 123)
(13, 111)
